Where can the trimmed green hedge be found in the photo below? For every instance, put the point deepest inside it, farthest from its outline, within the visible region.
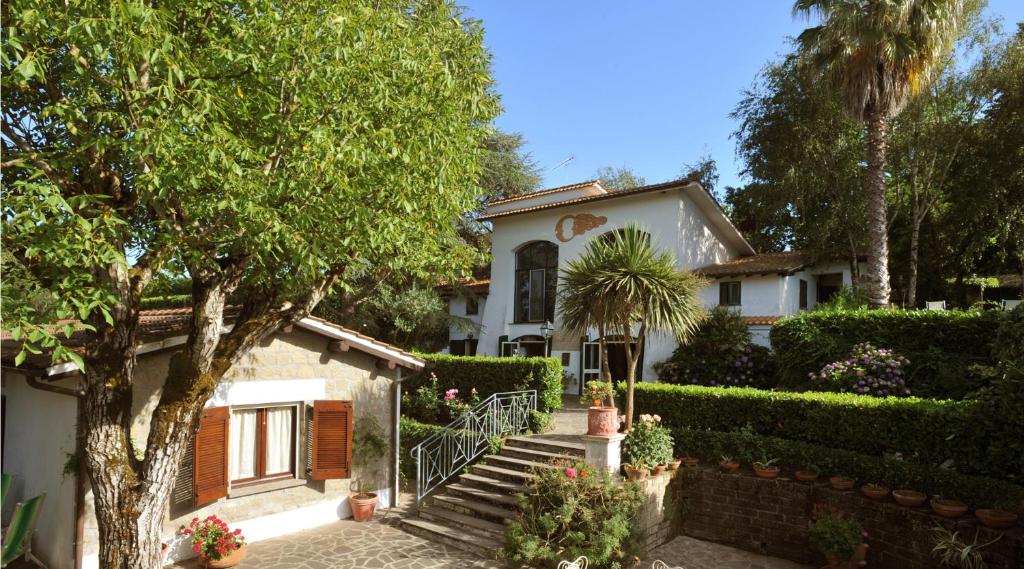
(494, 375)
(978, 491)
(941, 345)
(411, 433)
(923, 431)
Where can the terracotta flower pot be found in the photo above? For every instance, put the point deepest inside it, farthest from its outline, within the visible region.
(948, 508)
(229, 560)
(658, 470)
(363, 504)
(909, 498)
(806, 475)
(875, 492)
(728, 466)
(635, 474)
(602, 421)
(996, 519)
(854, 562)
(690, 461)
(674, 465)
(841, 482)
(768, 472)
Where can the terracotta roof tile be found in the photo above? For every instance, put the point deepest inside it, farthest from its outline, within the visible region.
(761, 264)
(545, 192)
(761, 320)
(476, 286)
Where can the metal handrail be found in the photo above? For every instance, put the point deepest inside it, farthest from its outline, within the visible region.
(446, 453)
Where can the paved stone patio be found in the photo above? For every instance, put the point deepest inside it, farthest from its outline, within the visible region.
(690, 553)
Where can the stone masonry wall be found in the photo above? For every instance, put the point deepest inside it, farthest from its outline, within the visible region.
(772, 516)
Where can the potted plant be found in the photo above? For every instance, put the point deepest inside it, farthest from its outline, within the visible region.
(948, 507)
(839, 538)
(648, 444)
(601, 421)
(369, 445)
(635, 473)
(690, 461)
(951, 551)
(765, 468)
(841, 482)
(909, 498)
(674, 463)
(996, 518)
(727, 464)
(807, 474)
(875, 491)
(218, 546)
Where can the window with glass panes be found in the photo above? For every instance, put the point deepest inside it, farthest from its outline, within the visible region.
(536, 282)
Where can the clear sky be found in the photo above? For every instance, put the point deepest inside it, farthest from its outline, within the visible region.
(646, 84)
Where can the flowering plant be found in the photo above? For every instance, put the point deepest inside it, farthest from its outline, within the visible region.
(457, 408)
(597, 391)
(647, 444)
(212, 538)
(868, 371)
(835, 534)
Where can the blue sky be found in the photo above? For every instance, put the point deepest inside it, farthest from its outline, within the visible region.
(643, 84)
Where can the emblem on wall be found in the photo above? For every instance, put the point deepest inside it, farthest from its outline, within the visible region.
(570, 226)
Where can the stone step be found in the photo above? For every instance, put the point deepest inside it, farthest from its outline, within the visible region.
(546, 445)
(479, 494)
(491, 484)
(517, 476)
(465, 522)
(536, 455)
(472, 507)
(515, 463)
(460, 539)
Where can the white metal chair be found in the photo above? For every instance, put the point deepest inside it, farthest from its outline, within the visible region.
(1010, 304)
(581, 562)
(935, 305)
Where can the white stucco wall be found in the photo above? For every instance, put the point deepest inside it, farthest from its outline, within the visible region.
(457, 307)
(38, 441)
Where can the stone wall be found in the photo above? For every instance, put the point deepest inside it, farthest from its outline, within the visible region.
(656, 515)
(771, 517)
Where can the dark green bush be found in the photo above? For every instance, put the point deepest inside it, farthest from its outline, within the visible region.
(1008, 346)
(539, 421)
(942, 346)
(978, 491)
(719, 354)
(494, 375)
(974, 436)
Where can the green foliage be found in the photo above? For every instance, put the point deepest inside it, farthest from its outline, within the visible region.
(952, 551)
(597, 391)
(974, 436)
(412, 433)
(835, 534)
(648, 443)
(867, 371)
(719, 354)
(1008, 346)
(506, 169)
(489, 375)
(369, 444)
(848, 298)
(572, 511)
(539, 421)
(623, 178)
(941, 345)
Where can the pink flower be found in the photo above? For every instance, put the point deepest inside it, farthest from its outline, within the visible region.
(570, 472)
(450, 394)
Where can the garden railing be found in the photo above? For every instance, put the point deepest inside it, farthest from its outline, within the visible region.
(445, 453)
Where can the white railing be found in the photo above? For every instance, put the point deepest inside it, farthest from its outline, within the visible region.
(446, 453)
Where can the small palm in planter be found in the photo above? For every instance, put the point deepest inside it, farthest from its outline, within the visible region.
(839, 538)
(368, 446)
(766, 468)
(218, 546)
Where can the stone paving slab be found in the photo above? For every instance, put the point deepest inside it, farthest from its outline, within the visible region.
(689, 553)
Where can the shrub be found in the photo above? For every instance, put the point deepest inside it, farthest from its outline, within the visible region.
(647, 444)
(573, 511)
(412, 433)
(963, 434)
(1008, 347)
(867, 371)
(720, 354)
(597, 391)
(835, 534)
(941, 345)
(539, 421)
(489, 375)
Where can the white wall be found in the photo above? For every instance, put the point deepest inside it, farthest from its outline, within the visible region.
(37, 442)
(760, 295)
(457, 307)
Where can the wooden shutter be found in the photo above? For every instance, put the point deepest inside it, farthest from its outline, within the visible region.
(210, 463)
(332, 440)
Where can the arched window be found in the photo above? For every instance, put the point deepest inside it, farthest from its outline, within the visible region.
(536, 282)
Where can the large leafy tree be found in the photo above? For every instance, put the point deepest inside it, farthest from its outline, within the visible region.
(624, 285)
(261, 148)
(878, 53)
(619, 178)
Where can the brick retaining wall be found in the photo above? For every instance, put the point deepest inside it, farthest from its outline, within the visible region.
(771, 517)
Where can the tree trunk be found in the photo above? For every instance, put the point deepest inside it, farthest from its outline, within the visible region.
(915, 238)
(602, 342)
(877, 277)
(632, 357)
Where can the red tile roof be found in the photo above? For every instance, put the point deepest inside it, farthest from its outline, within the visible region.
(784, 263)
(761, 320)
(475, 286)
(585, 199)
(575, 186)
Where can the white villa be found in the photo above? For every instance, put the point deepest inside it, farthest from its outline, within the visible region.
(536, 234)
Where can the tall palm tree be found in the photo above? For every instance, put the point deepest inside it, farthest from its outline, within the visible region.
(879, 53)
(623, 284)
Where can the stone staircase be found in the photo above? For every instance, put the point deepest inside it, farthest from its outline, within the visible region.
(471, 513)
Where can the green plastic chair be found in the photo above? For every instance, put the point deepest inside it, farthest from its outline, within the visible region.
(18, 541)
(6, 485)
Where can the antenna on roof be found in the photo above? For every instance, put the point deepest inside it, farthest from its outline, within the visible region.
(563, 163)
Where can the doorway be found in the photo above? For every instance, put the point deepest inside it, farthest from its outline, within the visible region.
(617, 362)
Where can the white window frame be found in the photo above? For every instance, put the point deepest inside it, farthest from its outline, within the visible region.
(590, 374)
(513, 349)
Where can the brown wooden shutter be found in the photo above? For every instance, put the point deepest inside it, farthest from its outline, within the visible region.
(210, 463)
(332, 440)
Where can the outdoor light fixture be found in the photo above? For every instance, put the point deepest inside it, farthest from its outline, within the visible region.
(547, 329)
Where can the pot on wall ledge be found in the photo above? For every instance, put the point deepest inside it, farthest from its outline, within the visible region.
(229, 560)
(363, 505)
(635, 474)
(854, 562)
(602, 421)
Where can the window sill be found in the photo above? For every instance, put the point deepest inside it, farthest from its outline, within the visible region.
(265, 487)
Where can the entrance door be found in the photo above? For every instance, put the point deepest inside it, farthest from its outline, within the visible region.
(617, 361)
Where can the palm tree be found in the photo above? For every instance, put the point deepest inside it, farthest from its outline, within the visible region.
(621, 283)
(879, 53)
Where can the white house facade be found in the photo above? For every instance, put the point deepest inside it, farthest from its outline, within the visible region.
(536, 235)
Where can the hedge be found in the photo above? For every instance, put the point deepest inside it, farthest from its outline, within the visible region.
(494, 375)
(978, 491)
(941, 345)
(975, 436)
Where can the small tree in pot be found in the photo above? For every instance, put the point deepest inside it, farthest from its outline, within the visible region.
(369, 445)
